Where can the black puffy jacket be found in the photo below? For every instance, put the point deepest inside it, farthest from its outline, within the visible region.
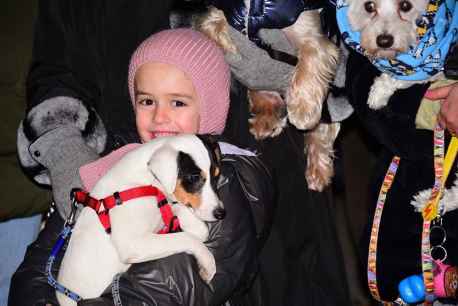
(263, 13)
(248, 196)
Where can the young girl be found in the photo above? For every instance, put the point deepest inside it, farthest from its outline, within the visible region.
(178, 83)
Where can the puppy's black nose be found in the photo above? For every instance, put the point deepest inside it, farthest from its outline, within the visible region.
(385, 40)
(219, 213)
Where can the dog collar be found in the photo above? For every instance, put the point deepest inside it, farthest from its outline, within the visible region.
(437, 31)
(103, 206)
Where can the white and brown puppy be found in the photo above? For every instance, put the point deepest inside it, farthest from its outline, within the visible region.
(183, 169)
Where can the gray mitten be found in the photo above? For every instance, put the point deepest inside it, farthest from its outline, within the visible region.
(63, 151)
(253, 66)
(339, 107)
(57, 137)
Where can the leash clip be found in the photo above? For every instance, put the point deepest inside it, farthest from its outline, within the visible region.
(71, 218)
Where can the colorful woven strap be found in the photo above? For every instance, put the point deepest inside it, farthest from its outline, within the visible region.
(430, 212)
(372, 257)
(442, 169)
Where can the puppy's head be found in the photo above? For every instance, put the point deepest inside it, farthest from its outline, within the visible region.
(387, 27)
(187, 172)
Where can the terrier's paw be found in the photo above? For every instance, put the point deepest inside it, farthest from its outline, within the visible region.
(377, 98)
(263, 126)
(303, 115)
(383, 88)
(269, 114)
(206, 263)
(448, 202)
(450, 199)
(319, 170)
(318, 178)
(420, 199)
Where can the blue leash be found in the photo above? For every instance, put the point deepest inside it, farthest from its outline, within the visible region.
(63, 236)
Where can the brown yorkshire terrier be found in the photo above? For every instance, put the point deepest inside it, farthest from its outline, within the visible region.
(304, 96)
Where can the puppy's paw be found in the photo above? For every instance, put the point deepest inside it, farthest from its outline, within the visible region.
(206, 263)
(189, 223)
(200, 232)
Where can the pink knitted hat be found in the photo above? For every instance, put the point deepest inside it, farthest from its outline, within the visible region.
(203, 62)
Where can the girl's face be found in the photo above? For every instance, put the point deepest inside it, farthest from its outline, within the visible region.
(166, 102)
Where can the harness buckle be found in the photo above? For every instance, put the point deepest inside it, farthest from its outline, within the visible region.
(117, 197)
(162, 203)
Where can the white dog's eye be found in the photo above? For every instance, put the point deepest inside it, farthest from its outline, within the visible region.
(369, 6)
(405, 6)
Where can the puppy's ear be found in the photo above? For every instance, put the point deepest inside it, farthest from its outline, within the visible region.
(211, 143)
(163, 166)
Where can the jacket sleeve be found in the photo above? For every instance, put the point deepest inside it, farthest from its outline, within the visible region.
(272, 14)
(234, 242)
(66, 53)
(56, 95)
(451, 64)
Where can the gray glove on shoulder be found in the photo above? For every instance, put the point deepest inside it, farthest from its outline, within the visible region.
(254, 67)
(52, 148)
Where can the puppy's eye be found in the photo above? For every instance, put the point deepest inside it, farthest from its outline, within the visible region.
(191, 178)
(369, 6)
(405, 6)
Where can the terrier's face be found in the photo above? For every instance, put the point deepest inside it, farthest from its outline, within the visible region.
(188, 172)
(387, 27)
(196, 188)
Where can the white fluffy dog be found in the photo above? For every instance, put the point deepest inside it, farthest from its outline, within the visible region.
(182, 169)
(387, 27)
(390, 27)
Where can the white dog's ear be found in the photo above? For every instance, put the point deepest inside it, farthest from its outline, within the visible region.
(163, 166)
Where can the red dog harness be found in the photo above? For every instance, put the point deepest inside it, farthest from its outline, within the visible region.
(103, 206)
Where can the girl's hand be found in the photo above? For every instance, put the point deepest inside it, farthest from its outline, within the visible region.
(448, 115)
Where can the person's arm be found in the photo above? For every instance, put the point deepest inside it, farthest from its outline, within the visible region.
(271, 74)
(448, 97)
(61, 130)
(233, 241)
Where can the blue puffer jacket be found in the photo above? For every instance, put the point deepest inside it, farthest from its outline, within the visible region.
(264, 13)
